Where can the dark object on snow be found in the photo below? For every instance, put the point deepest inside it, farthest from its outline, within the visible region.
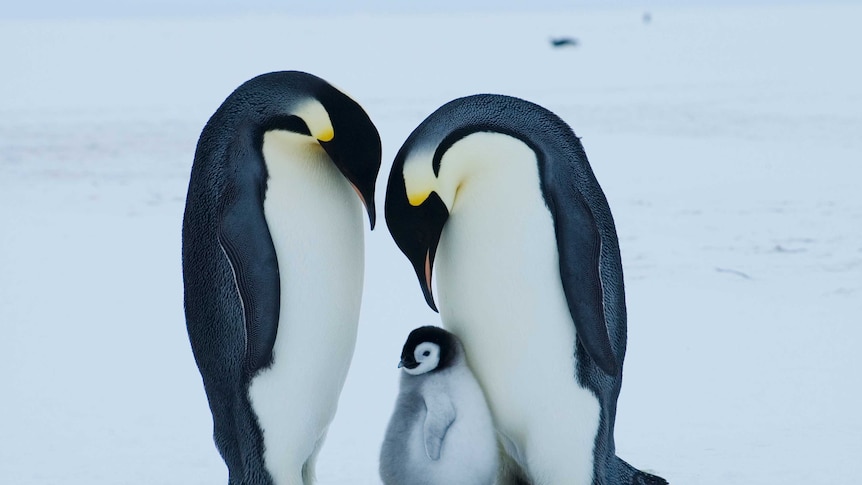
(647, 18)
(564, 42)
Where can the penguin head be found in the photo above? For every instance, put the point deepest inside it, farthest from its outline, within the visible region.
(352, 142)
(307, 105)
(455, 146)
(429, 349)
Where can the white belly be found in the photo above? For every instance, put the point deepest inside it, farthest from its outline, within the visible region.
(500, 292)
(315, 220)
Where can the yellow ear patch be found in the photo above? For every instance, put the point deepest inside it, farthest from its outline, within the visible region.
(316, 118)
(325, 135)
(417, 198)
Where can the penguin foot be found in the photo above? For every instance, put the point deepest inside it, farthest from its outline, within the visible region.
(629, 475)
(644, 478)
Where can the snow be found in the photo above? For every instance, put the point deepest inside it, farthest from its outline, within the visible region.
(727, 139)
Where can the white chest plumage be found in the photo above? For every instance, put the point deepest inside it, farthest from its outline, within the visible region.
(500, 292)
(315, 221)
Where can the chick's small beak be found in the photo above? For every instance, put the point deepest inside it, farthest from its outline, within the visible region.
(408, 363)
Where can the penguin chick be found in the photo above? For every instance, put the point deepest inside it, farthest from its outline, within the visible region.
(441, 432)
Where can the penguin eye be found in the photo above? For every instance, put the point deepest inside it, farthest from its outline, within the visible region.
(426, 353)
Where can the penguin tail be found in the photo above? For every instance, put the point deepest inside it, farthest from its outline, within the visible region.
(644, 478)
(630, 475)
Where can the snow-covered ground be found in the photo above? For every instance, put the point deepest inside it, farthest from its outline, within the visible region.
(727, 139)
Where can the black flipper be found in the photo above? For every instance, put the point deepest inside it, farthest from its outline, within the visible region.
(245, 237)
(580, 246)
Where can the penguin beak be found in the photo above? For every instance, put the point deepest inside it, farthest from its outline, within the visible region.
(415, 229)
(353, 144)
(366, 196)
(359, 165)
(408, 363)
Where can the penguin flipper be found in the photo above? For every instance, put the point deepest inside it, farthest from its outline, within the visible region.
(244, 236)
(439, 416)
(580, 246)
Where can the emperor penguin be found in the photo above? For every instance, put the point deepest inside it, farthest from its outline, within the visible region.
(273, 265)
(497, 192)
(441, 432)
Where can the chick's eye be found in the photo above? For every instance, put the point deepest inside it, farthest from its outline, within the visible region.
(426, 353)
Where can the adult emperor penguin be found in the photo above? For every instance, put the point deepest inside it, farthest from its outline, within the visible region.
(498, 193)
(273, 263)
(441, 432)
